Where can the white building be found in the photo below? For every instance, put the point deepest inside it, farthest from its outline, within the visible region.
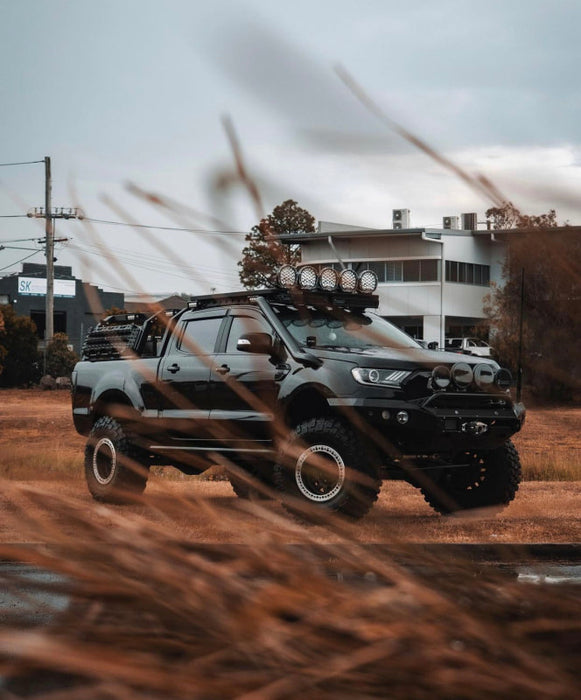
(432, 282)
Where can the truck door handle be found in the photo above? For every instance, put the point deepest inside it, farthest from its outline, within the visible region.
(223, 369)
(174, 368)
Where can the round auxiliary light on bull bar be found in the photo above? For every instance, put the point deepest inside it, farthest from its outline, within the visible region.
(367, 282)
(441, 377)
(484, 377)
(307, 278)
(348, 280)
(503, 379)
(286, 277)
(462, 375)
(328, 279)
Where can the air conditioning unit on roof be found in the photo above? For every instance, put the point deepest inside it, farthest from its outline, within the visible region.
(401, 218)
(451, 222)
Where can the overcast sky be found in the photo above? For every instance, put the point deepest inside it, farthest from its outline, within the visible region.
(136, 91)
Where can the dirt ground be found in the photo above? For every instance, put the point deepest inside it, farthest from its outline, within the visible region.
(207, 511)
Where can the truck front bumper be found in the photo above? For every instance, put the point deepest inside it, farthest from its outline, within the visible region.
(428, 426)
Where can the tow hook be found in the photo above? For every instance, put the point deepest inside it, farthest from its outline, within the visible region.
(475, 427)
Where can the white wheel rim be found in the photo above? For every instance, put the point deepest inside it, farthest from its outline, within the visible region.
(99, 455)
(306, 482)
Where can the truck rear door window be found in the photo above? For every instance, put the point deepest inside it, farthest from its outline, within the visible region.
(199, 336)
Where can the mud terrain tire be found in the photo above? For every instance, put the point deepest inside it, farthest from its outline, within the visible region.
(324, 465)
(114, 468)
(491, 480)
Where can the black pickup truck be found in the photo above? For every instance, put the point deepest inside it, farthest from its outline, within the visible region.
(302, 392)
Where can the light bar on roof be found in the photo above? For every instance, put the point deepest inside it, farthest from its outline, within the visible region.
(367, 282)
(286, 277)
(348, 281)
(328, 279)
(307, 278)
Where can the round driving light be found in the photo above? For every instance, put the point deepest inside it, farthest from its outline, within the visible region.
(484, 376)
(385, 415)
(348, 281)
(503, 379)
(441, 377)
(373, 375)
(402, 417)
(307, 278)
(328, 279)
(367, 282)
(286, 276)
(462, 375)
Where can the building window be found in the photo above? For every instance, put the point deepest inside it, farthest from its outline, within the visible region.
(396, 270)
(467, 273)
(429, 270)
(411, 270)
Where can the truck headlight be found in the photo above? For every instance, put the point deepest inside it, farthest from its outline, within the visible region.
(379, 377)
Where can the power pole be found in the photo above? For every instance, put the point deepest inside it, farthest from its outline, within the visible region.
(49, 215)
(49, 248)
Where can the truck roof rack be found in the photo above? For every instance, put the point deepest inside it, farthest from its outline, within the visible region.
(294, 297)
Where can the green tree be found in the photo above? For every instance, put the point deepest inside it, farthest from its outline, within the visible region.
(60, 361)
(18, 349)
(551, 261)
(264, 252)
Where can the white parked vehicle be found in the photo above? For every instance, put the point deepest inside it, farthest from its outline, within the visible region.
(470, 346)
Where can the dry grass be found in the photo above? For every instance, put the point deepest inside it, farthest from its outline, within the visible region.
(150, 618)
(38, 440)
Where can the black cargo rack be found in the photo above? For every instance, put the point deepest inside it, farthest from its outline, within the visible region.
(293, 297)
(122, 336)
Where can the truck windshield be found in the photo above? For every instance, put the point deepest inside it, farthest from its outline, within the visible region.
(343, 330)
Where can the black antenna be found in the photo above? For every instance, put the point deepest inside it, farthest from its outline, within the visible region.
(520, 337)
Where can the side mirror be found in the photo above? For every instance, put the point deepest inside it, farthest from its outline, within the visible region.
(258, 343)
(433, 345)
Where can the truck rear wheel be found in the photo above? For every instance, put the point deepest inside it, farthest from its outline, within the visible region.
(114, 468)
(489, 479)
(323, 465)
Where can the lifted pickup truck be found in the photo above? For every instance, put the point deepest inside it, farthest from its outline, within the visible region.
(302, 392)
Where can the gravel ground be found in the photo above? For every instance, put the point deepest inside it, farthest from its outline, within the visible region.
(209, 512)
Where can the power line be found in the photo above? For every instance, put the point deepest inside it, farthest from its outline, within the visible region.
(125, 254)
(156, 266)
(167, 228)
(16, 247)
(19, 261)
(24, 162)
(222, 232)
(39, 239)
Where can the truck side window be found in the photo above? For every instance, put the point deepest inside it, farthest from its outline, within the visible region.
(199, 336)
(245, 324)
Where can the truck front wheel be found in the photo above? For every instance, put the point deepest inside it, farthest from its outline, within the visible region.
(485, 479)
(325, 466)
(113, 468)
